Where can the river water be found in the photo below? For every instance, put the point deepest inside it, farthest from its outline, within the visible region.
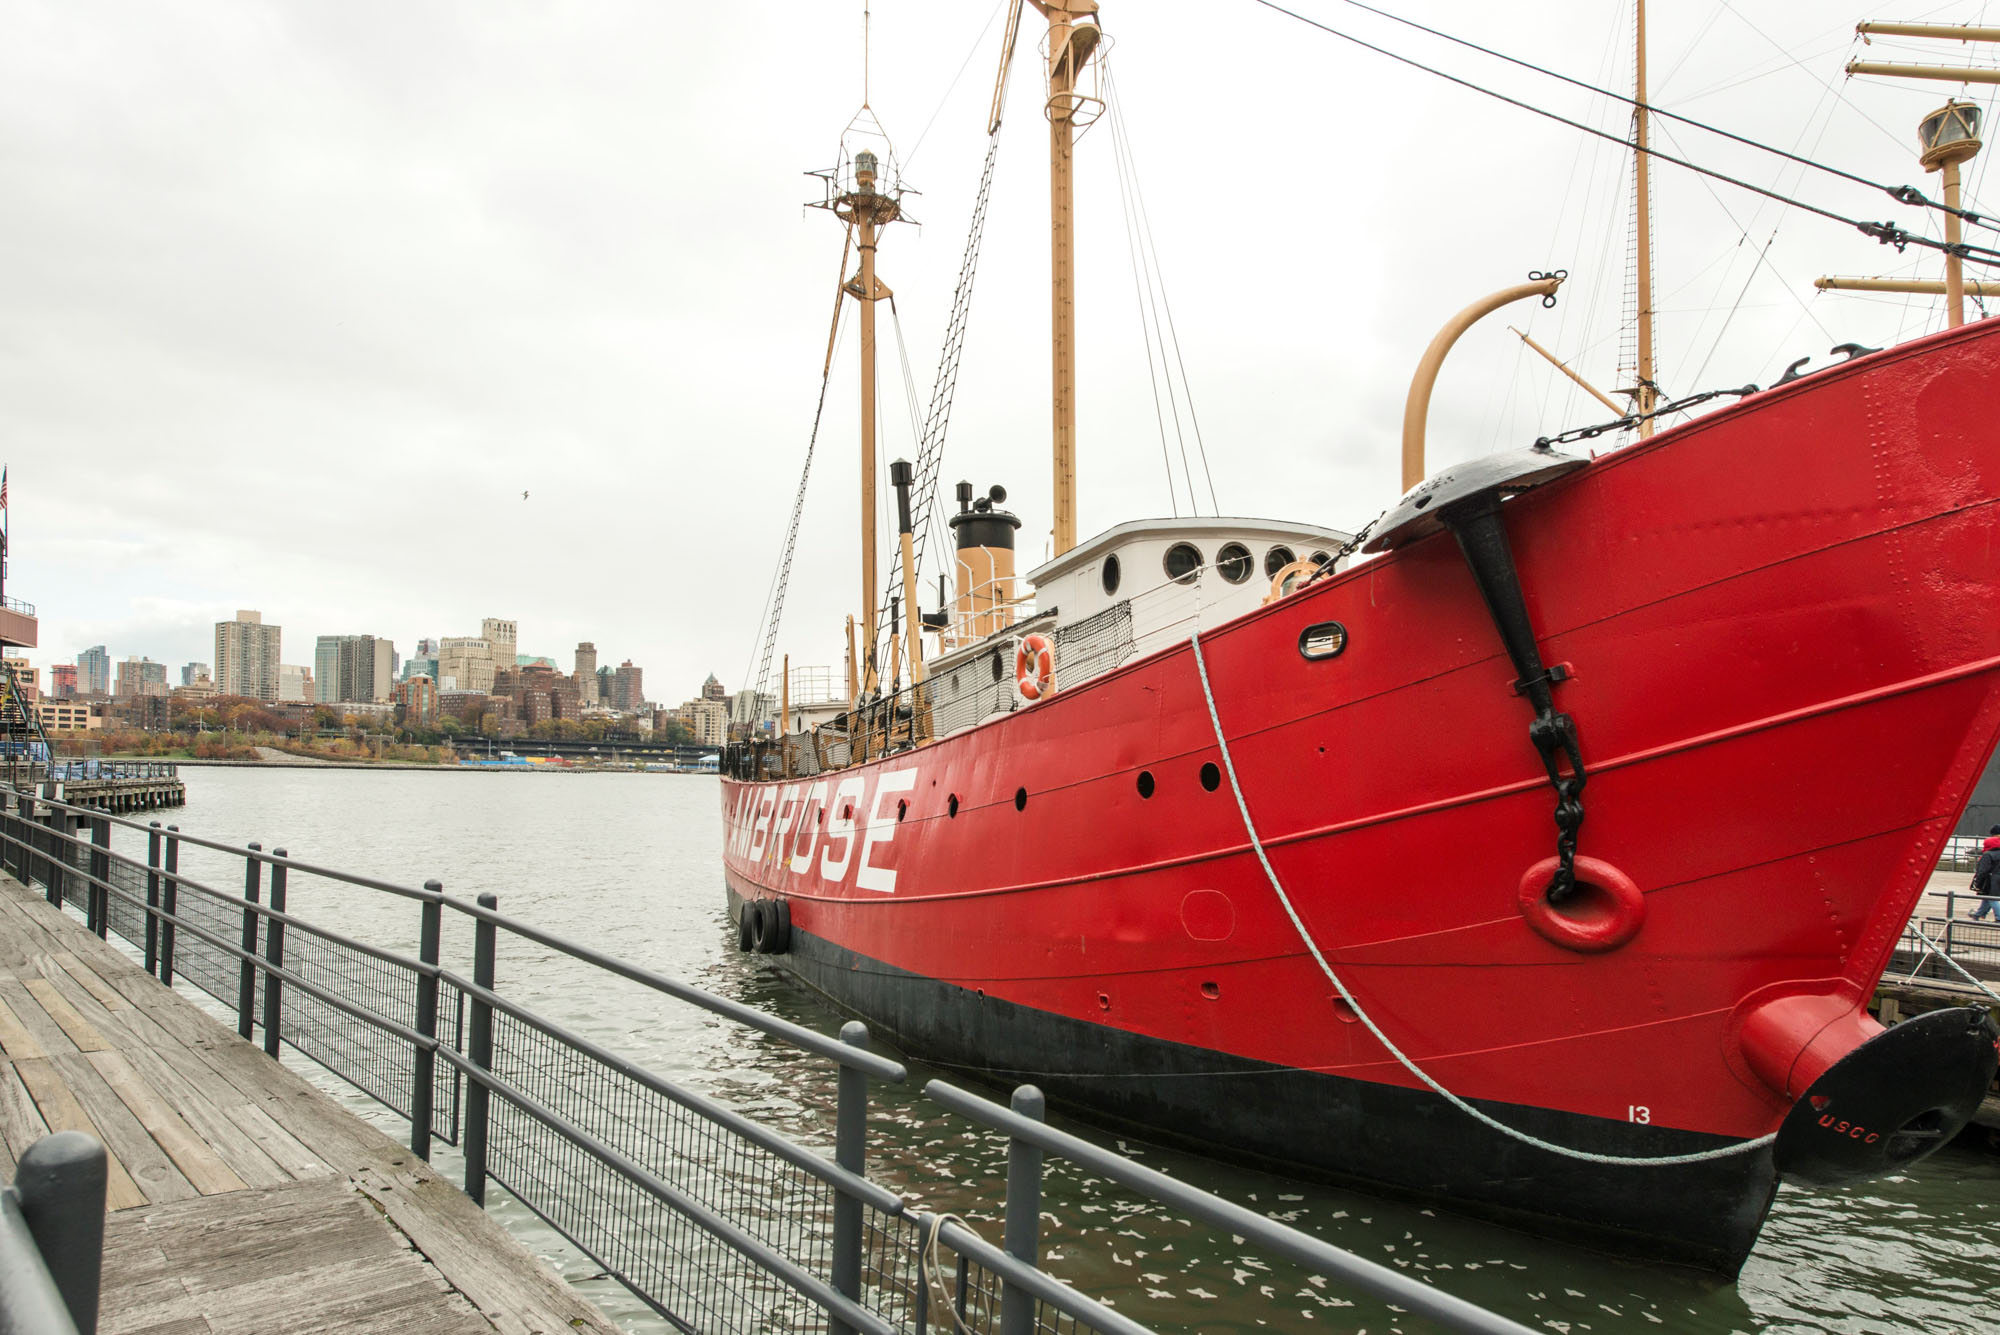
(630, 863)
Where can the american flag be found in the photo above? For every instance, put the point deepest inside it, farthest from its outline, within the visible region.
(3, 487)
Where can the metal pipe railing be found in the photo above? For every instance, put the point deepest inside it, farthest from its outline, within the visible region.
(1032, 1134)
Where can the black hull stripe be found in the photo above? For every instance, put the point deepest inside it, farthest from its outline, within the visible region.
(1329, 1128)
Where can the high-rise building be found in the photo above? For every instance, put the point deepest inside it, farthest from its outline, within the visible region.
(421, 664)
(140, 676)
(586, 672)
(418, 695)
(427, 648)
(706, 720)
(500, 635)
(62, 681)
(353, 669)
(246, 657)
(93, 671)
(712, 689)
(627, 692)
(326, 669)
(192, 670)
(295, 683)
(465, 664)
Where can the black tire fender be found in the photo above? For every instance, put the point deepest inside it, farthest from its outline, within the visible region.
(745, 922)
(772, 931)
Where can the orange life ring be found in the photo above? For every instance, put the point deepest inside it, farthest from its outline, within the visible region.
(1035, 667)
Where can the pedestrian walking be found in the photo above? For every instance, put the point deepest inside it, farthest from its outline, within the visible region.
(1986, 878)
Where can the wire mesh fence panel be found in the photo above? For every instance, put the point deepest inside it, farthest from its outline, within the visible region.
(125, 907)
(374, 1060)
(655, 1249)
(204, 964)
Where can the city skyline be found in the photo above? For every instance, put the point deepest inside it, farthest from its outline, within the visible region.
(353, 658)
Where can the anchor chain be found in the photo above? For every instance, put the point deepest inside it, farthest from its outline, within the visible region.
(1554, 736)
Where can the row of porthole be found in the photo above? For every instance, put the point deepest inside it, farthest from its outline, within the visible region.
(1211, 779)
(1233, 562)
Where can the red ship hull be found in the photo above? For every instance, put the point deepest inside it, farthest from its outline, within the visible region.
(1782, 625)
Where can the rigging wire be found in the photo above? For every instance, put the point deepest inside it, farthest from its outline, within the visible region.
(1139, 292)
(1905, 194)
(964, 65)
(774, 602)
(1887, 233)
(1156, 281)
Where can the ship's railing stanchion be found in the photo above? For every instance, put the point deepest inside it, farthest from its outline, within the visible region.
(479, 1051)
(423, 1064)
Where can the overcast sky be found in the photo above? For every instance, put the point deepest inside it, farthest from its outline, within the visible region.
(299, 299)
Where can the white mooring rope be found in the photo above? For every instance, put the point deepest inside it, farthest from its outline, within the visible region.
(1933, 948)
(1250, 828)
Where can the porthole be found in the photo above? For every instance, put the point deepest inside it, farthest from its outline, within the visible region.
(1111, 573)
(1277, 559)
(1233, 563)
(1020, 799)
(951, 806)
(1183, 562)
(1322, 559)
(1211, 777)
(1145, 783)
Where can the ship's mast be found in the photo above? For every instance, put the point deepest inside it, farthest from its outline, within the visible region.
(869, 211)
(1645, 395)
(1073, 36)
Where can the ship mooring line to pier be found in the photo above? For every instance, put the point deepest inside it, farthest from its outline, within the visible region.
(1934, 948)
(1361, 1013)
(1887, 233)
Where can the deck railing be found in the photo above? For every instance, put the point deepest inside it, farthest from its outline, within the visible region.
(715, 1220)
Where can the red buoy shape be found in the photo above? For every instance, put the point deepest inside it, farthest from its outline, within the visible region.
(1605, 912)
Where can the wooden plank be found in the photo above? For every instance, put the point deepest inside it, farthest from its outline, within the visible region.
(15, 1040)
(80, 1031)
(123, 1133)
(304, 1257)
(21, 1125)
(482, 1259)
(281, 1145)
(203, 1168)
(90, 982)
(61, 1111)
(243, 1155)
(46, 1032)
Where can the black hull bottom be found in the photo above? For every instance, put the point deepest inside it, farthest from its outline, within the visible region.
(1300, 1123)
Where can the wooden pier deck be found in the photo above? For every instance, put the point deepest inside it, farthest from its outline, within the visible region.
(241, 1198)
